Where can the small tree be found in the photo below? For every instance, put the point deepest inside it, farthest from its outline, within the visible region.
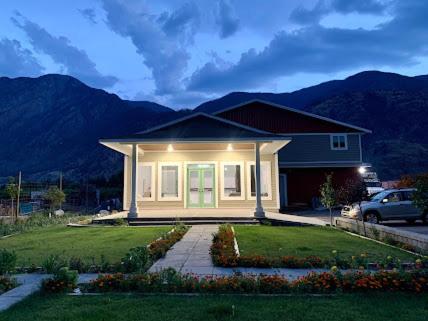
(55, 197)
(12, 190)
(420, 196)
(354, 191)
(328, 195)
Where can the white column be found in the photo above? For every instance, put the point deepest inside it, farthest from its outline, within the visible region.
(133, 213)
(259, 213)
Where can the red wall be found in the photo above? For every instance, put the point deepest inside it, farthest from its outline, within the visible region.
(304, 183)
(278, 120)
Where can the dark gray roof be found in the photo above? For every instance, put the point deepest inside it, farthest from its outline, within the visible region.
(200, 127)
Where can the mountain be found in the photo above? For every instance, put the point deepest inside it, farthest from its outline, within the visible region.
(54, 122)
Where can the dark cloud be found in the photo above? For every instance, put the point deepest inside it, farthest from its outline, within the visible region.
(16, 61)
(226, 19)
(75, 60)
(359, 6)
(316, 49)
(153, 36)
(89, 14)
(304, 16)
(182, 21)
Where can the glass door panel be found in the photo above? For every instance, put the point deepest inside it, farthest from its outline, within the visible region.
(194, 188)
(208, 187)
(200, 186)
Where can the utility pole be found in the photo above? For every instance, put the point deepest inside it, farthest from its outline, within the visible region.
(18, 197)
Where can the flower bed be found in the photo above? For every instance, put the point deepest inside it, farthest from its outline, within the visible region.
(170, 281)
(7, 283)
(223, 254)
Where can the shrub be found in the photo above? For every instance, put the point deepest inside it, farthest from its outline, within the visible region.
(64, 280)
(6, 284)
(158, 248)
(76, 263)
(7, 261)
(120, 222)
(136, 260)
(53, 263)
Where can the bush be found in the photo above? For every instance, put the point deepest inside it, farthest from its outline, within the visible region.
(53, 263)
(6, 284)
(136, 260)
(7, 261)
(64, 280)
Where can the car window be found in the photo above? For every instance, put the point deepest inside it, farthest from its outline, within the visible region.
(393, 197)
(407, 195)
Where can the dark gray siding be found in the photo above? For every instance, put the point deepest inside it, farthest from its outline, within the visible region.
(316, 148)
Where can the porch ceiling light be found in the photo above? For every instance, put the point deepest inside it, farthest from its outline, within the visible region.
(170, 148)
(229, 147)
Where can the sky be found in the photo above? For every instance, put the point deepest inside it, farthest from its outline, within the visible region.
(183, 52)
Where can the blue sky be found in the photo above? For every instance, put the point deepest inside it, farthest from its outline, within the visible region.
(181, 53)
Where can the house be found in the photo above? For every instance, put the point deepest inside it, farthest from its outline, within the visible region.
(256, 155)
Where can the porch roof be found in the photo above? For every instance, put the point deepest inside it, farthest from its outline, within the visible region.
(198, 127)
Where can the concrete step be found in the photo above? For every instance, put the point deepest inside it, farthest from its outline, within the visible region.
(192, 222)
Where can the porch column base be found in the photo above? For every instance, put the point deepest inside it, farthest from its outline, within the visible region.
(259, 213)
(133, 213)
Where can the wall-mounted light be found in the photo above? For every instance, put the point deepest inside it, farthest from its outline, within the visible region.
(229, 147)
(362, 170)
(170, 148)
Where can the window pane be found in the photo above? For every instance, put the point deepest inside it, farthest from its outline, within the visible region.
(335, 142)
(264, 180)
(145, 181)
(232, 180)
(169, 181)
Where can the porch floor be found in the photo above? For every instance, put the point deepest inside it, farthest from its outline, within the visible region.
(209, 213)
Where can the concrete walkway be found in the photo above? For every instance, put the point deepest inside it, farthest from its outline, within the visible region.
(29, 284)
(192, 255)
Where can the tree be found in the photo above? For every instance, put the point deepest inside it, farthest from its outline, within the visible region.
(328, 195)
(12, 190)
(420, 196)
(55, 197)
(354, 192)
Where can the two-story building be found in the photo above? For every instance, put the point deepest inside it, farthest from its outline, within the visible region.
(256, 155)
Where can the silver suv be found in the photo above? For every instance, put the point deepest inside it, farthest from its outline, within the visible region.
(393, 204)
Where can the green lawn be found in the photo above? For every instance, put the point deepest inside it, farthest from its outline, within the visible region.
(273, 241)
(85, 243)
(166, 308)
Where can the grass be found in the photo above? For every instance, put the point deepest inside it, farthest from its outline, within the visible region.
(86, 243)
(378, 307)
(273, 241)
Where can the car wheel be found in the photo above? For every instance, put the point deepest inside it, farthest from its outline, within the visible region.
(371, 217)
(411, 221)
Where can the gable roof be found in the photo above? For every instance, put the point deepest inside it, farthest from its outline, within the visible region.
(200, 127)
(293, 110)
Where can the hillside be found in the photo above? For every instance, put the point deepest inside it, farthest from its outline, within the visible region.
(54, 122)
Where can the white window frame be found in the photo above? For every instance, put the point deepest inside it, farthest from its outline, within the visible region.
(153, 181)
(180, 182)
(232, 198)
(345, 136)
(268, 163)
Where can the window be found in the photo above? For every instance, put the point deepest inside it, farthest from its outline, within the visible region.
(169, 181)
(407, 195)
(394, 197)
(232, 180)
(146, 181)
(265, 180)
(339, 142)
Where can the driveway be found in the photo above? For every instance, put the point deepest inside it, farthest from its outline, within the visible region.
(324, 215)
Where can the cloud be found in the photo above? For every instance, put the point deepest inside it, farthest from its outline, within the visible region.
(226, 19)
(317, 49)
(304, 16)
(76, 61)
(181, 22)
(89, 14)
(359, 6)
(156, 39)
(16, 61)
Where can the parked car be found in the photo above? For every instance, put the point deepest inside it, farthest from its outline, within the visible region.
(393, 204)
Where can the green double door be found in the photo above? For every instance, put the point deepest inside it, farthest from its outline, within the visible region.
(200, 186)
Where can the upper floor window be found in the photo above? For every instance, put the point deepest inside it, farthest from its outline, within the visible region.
(339, 141)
